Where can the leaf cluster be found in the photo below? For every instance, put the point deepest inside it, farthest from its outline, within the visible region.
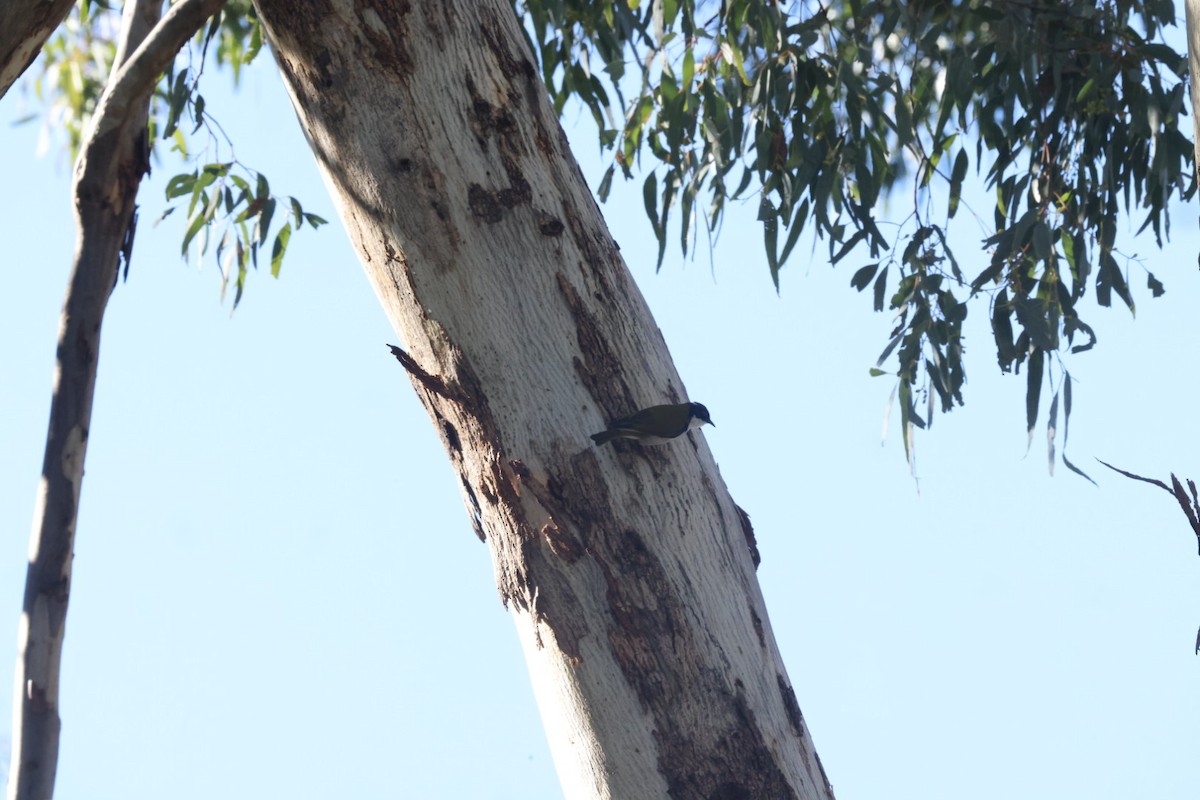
(818, 112)
(216, 193)
(75, 64)
(222, 192)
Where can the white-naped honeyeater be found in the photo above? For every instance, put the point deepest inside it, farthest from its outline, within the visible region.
(656, 424)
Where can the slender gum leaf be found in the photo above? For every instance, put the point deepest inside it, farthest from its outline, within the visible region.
(1033, 391)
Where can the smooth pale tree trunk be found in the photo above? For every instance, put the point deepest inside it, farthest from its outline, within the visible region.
(25, 25)
(629, 571)
(1192, 23)
(110, 168)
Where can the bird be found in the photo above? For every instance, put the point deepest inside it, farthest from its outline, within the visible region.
(656, 424)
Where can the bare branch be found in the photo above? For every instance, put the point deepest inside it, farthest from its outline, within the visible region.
(1189, 504)
(1154, 481)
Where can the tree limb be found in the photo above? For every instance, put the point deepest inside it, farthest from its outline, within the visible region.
(108, 173)
(136, 77)
(1192, 25)
(25, 25)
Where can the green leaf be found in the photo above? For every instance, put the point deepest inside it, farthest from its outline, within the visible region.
(956, 180)
(1033, 390)
(770, 220)
(733, 55)
(279, 248)
(198, 112)
(863, 276)
(650, 200)
(177, 100)
(880, 289)
(1051, 431)
(1067, 427)
(848, 245)
(906, 423)
(1084, 93)
(1155, 285)
(195, 223)
(180, 185)
(794, 231)
(1002, 331)
(264, 221)
(606, 184)
(1041, 240)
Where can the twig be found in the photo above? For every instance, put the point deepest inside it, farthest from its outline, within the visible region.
(1190, 505)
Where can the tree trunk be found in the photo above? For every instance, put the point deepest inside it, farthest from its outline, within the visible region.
(1192, 26)
(629, 570)
(107, 175)
(25, 25)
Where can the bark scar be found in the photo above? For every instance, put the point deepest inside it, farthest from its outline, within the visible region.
(562, 542)
(431, 382)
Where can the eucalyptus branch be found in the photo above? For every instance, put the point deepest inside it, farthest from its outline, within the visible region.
(135, 79)
(109, 170)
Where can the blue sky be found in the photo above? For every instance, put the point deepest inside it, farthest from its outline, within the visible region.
(277, 590)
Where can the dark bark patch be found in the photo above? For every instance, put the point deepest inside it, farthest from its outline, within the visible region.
(582, 496)
(511, 63)
(748, 532)
(725, 757)
(327, 73)
(756, 620)
(451, 436)
(518, 191)
(562, 543)
(491, 207)
(794, 715)
(549, 225)
(645, 614)
(599, 369)
(386, 47)
(483, 204)
(564, 614)
(473, 507)
(487, 120)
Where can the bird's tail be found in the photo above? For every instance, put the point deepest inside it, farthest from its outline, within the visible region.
(603, 436)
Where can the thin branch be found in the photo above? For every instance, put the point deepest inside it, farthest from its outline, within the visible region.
(108, 173)
(1154, 481)
(136, 78)
(1189, 504)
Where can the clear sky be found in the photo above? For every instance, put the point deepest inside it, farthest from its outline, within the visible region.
(277, 591)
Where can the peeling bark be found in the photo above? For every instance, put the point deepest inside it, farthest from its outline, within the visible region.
(629, 571)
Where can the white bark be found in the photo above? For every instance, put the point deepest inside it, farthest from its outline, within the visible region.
(1192, 22)
(25, 25)
(628, 570)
